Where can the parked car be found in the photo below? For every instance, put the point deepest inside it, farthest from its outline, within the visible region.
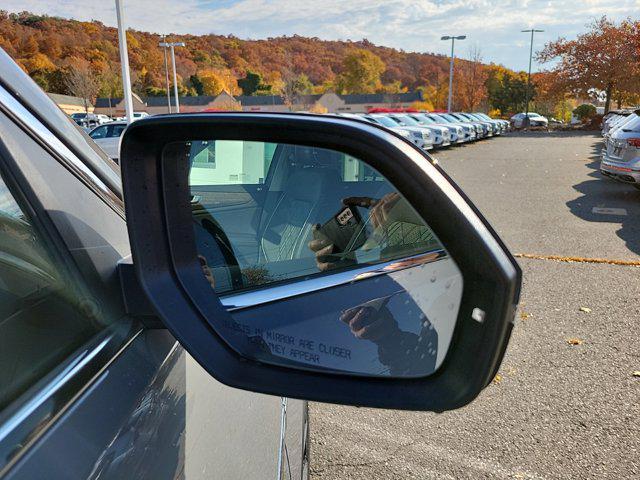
(358, 116)
(494, 127)
(502, 125)
(108, 138)
(621, 155)
(136, 116)
(445, 118)
(421, 137)
(441, 135)
(456, 132)
(309, 257)
(535, 120)
(487, 128)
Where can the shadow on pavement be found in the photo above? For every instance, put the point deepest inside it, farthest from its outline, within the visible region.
(604, 192)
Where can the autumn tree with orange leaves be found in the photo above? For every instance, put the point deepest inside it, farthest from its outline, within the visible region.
(469, 82)
(606, 58)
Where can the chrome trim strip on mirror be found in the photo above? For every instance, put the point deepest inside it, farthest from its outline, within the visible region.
(238, 301)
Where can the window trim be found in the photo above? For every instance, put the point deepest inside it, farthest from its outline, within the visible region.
(29, 417)
(33, 127)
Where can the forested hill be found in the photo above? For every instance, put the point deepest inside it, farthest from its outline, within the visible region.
(47, 47)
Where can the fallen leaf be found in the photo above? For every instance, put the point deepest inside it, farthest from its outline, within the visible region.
(497, 378)
(636, 373)
(585, 309)
(525, 315)
(574, 341)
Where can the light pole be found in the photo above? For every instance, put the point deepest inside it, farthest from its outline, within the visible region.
(526, 115)
(166, 73)
(124, 61)
(172, 46)
(453, 41)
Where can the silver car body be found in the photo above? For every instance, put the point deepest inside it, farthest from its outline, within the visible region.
(108, 137)
(621, 155)
(535, 120)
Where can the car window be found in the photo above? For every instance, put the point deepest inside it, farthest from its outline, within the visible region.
(100, 132)
(407, 120)
(116, 130)
(43, 317)
(311, 195)
(386, 121)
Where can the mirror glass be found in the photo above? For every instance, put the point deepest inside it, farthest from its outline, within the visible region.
(321, 262)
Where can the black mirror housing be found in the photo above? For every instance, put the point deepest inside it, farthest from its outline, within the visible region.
(158, 217)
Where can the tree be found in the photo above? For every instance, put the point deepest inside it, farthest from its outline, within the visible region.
(605, 58)
(215, 82)
(469, 83)
(252, 84)
(507, 90)
(295, 86)
(82, 82)
(361, 71)
(585, 112)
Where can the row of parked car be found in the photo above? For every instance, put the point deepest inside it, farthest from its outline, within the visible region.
(89, 121)
(427, 130)
(437, 130)
(621, 153)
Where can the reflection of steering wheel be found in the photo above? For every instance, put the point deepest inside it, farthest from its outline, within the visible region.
(213, 228)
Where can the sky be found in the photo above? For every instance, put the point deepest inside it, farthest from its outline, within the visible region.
(412, 25)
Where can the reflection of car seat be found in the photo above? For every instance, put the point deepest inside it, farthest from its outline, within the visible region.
(287, 230)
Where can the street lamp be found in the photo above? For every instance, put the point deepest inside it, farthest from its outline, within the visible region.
(166, 74)
(453, 41)
(124, 62)
(172, 45)
(532, 31)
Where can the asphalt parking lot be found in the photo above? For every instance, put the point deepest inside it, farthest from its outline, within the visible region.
(566, 404)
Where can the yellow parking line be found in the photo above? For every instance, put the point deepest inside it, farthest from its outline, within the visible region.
(559, 258)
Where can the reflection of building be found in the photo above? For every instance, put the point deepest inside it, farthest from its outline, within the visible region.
(331, 102)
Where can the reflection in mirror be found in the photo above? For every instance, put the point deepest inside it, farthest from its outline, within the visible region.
(321, 261)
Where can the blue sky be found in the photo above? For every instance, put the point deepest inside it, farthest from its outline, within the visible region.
(412, 25)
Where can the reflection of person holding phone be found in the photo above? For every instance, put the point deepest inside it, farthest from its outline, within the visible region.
(405, 353)
(332, 251)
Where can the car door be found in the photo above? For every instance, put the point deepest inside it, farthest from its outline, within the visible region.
(89, 391)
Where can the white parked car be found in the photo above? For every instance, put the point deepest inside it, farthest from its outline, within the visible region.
(422, 137)
(621, 155)
(136, 116)
(107, 137)
(535, 120)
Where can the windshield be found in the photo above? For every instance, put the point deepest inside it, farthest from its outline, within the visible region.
(407, 120)
(450, 117)
(386, 121)
(423, 118)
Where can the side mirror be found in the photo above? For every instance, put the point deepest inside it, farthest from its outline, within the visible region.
(316, 257)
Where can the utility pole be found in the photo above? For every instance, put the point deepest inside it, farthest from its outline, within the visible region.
(453, 40)
(526, 115)
(166, 73)
(124, 62)
(172, 46)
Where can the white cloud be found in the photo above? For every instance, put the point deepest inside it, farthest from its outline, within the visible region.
(413, 25)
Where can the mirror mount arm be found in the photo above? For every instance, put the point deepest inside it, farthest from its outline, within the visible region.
(136, 302)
